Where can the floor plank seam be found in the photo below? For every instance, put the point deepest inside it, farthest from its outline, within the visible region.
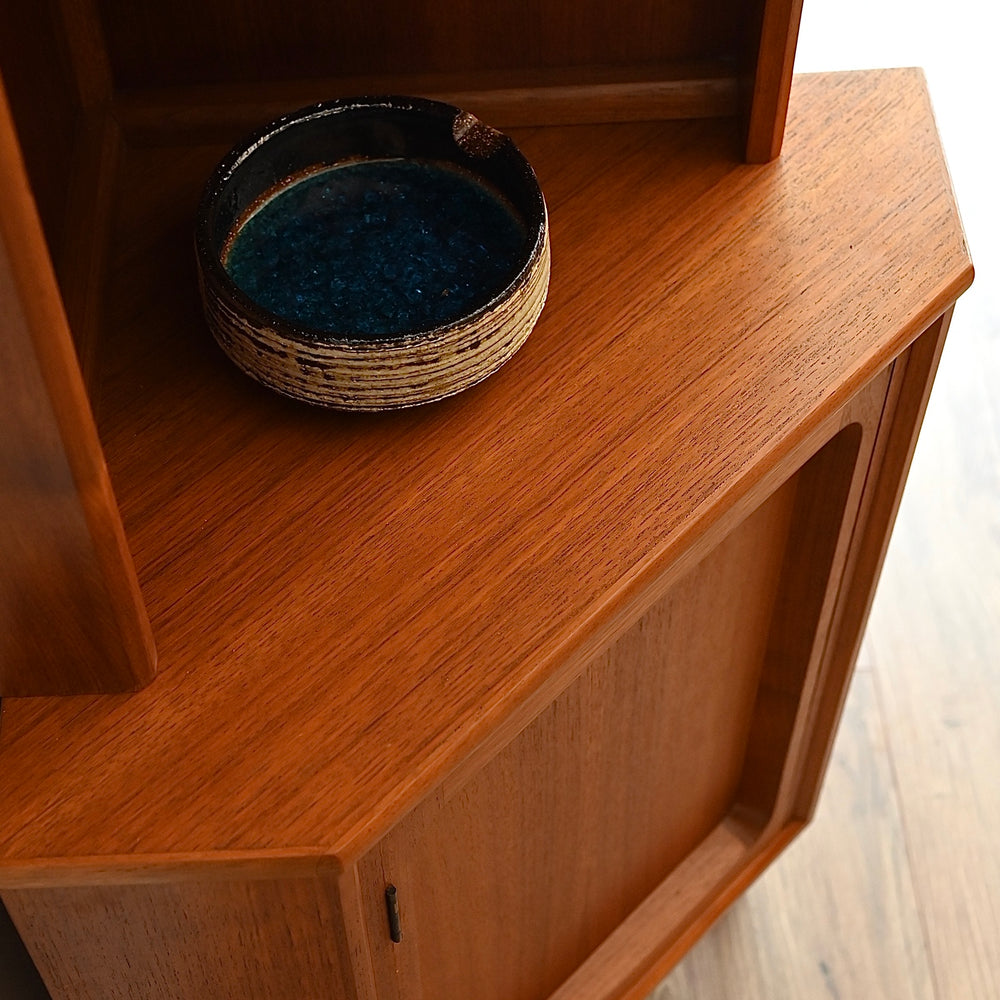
(904, 826)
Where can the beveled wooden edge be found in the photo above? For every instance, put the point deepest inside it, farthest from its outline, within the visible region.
(660, 931)
(139, 869)
(554, 97)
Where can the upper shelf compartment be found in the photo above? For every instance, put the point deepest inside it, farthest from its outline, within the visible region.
(515, 63)
(84, 79)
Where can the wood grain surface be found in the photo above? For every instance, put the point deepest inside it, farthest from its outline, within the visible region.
(827, 493)
(933, 640)
(73, 619)
(909, 390)
(258, 939)
(772, 79)
(621, 792)
(384, 592)
(42, 103)
(576, 96)
(638, 766)
(78, 26)
(836, 971)
(903, 820)
(233, 40)
(81, 258)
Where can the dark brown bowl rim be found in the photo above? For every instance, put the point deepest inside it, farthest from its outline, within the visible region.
(218, 282)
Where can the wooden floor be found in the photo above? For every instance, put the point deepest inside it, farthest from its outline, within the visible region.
(893, 891)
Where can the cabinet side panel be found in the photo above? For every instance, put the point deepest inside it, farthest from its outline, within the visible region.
(772, 81)
(44, 105)
(73, 619)
(909, 391)
(818, 529)
(828, 496)
(522, 872)
(253, 940)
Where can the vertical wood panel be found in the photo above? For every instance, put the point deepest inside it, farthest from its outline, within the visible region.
(252, 940)
(38, 82)
(73, 618)
(816, 532)
(856, 860)
(828, 497)
(909, 393)
(19, 979)
(81, 263)
(88, 57)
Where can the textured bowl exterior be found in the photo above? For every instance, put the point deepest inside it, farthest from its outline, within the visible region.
(354, 374)
(383, 376)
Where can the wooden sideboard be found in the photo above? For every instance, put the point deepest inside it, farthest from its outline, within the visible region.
(559, 659)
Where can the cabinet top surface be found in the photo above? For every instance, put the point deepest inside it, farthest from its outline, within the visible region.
(345, 607)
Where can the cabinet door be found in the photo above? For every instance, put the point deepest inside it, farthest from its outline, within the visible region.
(511, 881)
(682, 737)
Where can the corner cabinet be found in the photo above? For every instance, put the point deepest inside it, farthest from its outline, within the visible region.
(559, 660)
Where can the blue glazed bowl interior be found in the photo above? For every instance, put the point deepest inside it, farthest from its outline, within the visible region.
(369, 220)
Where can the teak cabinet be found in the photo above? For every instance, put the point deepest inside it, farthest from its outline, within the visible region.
(559, 659)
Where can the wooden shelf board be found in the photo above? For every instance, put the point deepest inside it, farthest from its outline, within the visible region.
(344, 606)
(504, 99)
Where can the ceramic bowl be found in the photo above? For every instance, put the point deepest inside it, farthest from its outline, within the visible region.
(374, 253)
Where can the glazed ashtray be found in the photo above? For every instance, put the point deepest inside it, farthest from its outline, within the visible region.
(374, 253)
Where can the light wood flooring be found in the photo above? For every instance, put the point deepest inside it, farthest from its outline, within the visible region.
(892, 892)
